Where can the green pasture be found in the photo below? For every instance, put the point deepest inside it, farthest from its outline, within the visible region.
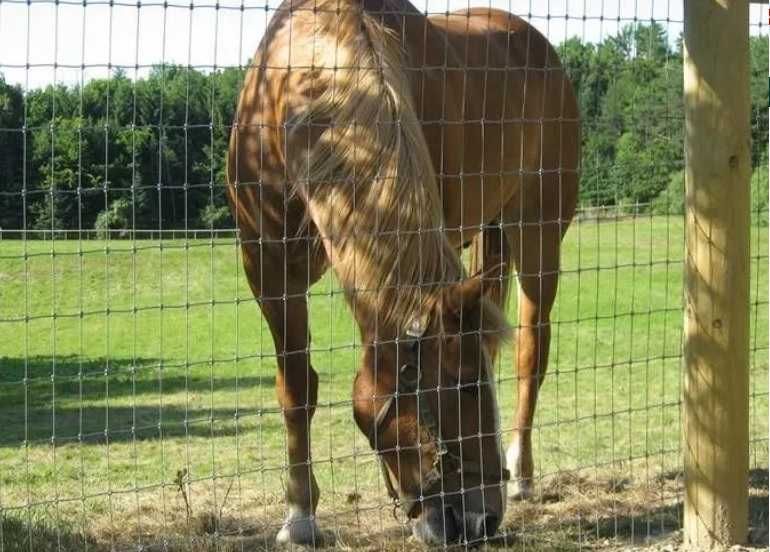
(132, 369)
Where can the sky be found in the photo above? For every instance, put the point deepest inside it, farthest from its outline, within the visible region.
(57, 41)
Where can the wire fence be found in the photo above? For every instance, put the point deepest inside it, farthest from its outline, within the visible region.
(138, 377)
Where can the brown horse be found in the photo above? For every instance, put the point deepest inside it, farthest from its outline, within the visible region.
(376, 141)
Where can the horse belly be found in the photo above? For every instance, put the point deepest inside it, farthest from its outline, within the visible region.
(480, 162)
(473, 201)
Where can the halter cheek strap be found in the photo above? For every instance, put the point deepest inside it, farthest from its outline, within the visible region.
(409, 383)
(409, 379)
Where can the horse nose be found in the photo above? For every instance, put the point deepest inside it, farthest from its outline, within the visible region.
(491, 524)
(477, 526)
(437, 526)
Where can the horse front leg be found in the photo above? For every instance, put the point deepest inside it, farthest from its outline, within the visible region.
(284, 306)
(296, 385)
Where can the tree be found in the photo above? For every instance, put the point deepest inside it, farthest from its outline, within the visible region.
(153, 149)
(759, 99)
(11, 155)
(116, 217)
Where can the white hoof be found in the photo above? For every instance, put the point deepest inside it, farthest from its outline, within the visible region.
(300, 528)
(520, 489)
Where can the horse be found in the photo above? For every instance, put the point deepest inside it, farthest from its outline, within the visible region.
(378, 142)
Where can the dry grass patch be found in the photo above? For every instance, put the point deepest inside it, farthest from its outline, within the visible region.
(574, 510)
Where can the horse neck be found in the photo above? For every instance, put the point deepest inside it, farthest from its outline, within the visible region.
(374, 195)
(370, 308)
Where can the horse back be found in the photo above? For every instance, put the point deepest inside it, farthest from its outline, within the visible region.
(508, 118)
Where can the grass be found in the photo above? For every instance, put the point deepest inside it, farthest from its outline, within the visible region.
(136, 377)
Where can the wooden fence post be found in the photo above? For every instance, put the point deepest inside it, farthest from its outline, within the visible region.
(717, 225)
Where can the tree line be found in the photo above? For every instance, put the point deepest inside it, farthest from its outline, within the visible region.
(150, 153)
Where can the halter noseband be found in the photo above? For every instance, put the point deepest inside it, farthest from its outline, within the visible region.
(409, 379)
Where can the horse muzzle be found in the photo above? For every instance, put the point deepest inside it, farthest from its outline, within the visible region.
(446, 522)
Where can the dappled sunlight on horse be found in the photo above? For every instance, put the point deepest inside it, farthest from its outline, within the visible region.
(377, 142)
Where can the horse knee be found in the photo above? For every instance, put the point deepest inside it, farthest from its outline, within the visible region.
(297, 390)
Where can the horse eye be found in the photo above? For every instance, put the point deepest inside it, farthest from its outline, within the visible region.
(409, 378)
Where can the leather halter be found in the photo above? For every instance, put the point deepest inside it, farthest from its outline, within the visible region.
(409, 379)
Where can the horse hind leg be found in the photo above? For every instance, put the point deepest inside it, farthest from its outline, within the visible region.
(284, 306)
(490, 253)
(536, 256)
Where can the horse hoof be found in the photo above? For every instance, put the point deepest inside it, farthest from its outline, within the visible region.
(300, 529)
(520, 489)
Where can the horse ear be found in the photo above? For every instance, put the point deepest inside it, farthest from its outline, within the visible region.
(469, 292)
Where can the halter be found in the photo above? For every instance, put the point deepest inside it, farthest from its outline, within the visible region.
(409, 379)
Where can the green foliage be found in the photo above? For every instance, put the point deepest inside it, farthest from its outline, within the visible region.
(641, 168)
(160, 142)
(671, 200)
(759, 99)
(117, 217)
(759, 191)
(215, 217)
(11, 154)
(630, 92)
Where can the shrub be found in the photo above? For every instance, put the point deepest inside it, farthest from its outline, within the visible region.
(759, 190)
(116, 217)
(213, 217)
(671, 200)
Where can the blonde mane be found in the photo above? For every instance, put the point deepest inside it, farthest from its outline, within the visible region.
(367, 175)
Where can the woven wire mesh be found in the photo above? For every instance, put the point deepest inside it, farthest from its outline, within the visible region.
(137, 375)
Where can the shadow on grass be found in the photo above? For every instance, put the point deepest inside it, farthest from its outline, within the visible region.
(586, 530)
(17, 535)
(98, 425)
(94, 400)
(72, 376)
(617, 514)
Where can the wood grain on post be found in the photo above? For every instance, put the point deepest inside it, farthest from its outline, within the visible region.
(718, 169)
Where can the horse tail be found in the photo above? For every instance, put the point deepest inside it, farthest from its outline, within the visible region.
(371, 187)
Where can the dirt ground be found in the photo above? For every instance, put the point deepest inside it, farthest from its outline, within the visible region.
(571, 511)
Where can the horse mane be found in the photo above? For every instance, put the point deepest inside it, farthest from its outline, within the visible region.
(366, 174)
